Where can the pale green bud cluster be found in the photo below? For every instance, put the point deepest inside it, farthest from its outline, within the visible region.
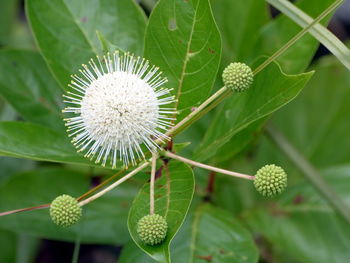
(65, 211)
(152, 229)
(270, 180)
(238, 76)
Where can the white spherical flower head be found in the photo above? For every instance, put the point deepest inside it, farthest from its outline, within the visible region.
(118, 106)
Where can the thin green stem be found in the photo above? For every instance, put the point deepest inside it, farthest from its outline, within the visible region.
(196, 113)
(115, 184)
(297, 37)
(76, 251)
(310, 173)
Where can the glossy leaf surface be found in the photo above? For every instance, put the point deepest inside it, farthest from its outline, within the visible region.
(173, 195)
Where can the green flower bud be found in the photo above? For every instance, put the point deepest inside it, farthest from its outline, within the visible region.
(65, 211)
(270, 180)
(152, 229)
(238, 76)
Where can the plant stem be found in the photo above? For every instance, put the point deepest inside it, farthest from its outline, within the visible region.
(197, 112)
(207, 167)
(76, 250)
(297, 36)
(115, 184)
(309, 172)
(25, 209)
(153, 176)
(97, 187)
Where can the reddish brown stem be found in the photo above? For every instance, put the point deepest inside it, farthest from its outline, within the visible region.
(79, 198)
(24, 209)
(211, 182)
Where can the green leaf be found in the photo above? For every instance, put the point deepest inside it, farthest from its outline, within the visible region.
(305, 228)
(320, 133)
(317, 128)
(103, 221)
(239, 21)
(281, 29)
(271, 90)
(8, 242)
(212, 234)
(106, 45)
(183, 40)
(132, 253)
(7, 18)
(28, 86)
(321, 33)
(10, 165)
(208, 235)
(173, 195)
(268, 39)
(32, 141)
(66, 30)
(240, 141)
(8, 113)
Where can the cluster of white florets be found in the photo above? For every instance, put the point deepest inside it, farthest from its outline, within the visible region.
(118, 106)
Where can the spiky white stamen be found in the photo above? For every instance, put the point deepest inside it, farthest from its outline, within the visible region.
(117, 106)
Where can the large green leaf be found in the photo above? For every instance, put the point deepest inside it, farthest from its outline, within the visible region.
(280, 30)
(271, 90)
(317, 120)
(183, 40)
(239, 21)
(321, 33)
(66, 30)
(208, 235)
(28, 86)
(173, 195)
(32, 141)
(10, 165)
(317, 126)
(131, 253)
(212, 234)
(8, 242)
(7, 18)
(301, 226)
(104, 220)
(267, 39)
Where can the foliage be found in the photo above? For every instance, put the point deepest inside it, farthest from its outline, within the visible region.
(191, 41)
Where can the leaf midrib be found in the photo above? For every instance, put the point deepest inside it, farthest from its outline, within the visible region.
(79, 27)
(182, 77)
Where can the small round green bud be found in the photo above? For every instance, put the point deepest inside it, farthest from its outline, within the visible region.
(65, 210)
(270, 180)
(238, 76)
(152, 229)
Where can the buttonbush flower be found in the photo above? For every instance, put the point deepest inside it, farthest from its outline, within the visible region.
(117, 107)
(270, 180)
(152, 229)
(65, 211)
(238, 76)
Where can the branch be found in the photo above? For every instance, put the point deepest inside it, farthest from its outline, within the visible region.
(153, 175)
(207, 167)
(115, 184)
